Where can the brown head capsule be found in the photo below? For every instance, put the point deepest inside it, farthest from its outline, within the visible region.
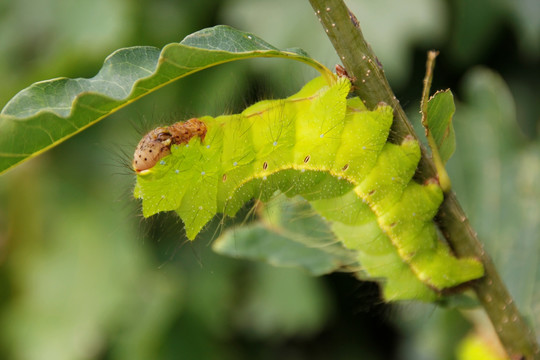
(157, 143)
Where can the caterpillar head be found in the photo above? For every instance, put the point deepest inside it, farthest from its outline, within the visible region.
(157, 143)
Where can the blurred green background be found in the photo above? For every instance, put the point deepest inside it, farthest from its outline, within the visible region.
(83, 276)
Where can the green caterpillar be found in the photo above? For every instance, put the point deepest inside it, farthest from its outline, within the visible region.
(328, 149)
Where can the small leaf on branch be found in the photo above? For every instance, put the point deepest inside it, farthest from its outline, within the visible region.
(440, 110)
(439, 122)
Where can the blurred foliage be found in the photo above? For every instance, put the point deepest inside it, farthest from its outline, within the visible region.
(500, 185)
(289, 233)
(83, 277)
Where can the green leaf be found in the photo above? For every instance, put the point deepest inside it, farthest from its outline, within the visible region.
(289, 235)
(440, 111)
(49, 112)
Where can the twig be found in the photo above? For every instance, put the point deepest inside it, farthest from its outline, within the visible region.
(371, 86)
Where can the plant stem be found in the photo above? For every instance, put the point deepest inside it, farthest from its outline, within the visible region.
(372, 87)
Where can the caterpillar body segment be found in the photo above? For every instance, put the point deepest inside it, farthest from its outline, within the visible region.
(333, 152)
